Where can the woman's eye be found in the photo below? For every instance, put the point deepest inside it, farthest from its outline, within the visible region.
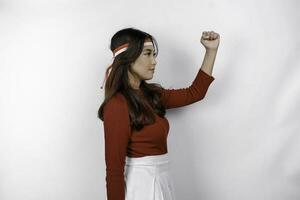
(150, 54)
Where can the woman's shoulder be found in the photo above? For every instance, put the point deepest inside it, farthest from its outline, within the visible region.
(116, 111)
(117, 101)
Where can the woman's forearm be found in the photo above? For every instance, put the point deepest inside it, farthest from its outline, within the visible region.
(209, 60)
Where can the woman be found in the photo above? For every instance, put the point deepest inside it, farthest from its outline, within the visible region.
(133, 114)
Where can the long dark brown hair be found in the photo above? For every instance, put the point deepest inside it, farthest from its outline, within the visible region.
(141, 107)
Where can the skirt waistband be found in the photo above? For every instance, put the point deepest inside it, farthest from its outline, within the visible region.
(148, 160)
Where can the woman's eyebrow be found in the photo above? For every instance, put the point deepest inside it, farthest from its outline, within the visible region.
(147, 50)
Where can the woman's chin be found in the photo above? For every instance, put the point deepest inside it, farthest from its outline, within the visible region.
(149, 78)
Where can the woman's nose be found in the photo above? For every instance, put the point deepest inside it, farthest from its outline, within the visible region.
(154, 61)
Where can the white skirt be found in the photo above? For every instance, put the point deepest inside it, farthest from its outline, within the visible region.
(148, 178)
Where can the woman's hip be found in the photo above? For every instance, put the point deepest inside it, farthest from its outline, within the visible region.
(149, 177)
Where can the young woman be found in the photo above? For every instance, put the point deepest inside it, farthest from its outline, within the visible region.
(133, 114)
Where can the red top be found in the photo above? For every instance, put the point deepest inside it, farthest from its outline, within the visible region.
(151, 140)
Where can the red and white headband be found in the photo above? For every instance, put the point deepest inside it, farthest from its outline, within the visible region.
(116, 52)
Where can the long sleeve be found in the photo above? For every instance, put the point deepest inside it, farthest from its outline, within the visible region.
(173, 98)
(117, 133)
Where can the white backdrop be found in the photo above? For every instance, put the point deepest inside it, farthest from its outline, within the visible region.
(240, 143)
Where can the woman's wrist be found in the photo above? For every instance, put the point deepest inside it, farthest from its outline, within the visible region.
(212, 50)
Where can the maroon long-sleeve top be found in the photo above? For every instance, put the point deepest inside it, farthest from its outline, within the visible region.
(151, 140)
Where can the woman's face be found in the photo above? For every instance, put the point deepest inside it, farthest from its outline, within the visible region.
(143, 67)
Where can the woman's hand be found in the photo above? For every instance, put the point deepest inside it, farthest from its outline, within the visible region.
(210, 40)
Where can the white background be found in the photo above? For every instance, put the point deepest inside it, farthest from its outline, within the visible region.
(239, 143)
